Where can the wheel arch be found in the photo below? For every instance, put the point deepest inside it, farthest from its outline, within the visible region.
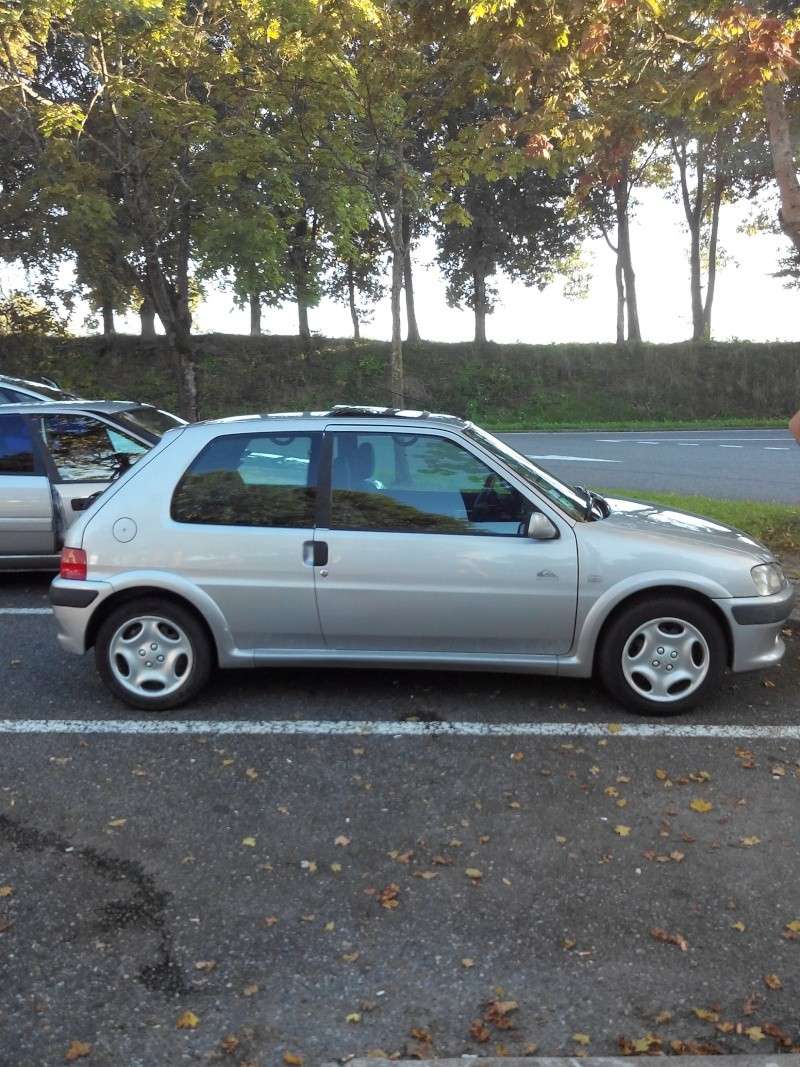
(679, 591)
(125, 596)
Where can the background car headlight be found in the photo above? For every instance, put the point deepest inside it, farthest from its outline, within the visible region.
(768, 578)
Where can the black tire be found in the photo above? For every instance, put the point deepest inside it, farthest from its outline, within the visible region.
(182, 619)
(621, 630)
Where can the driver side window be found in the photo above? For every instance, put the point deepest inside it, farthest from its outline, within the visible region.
(420, 483)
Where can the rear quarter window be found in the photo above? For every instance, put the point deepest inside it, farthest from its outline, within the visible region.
(251, 480)
(16, 446)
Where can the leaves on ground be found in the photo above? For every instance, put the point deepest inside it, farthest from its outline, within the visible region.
(293, 1059)
(6, 890)
(479, 1032)
(77, 1050)
(249, 842)
(354, 1017)
(187, 1021)
(474, 873)
(581, 1039)
(749, 842)
(342, 841)
(623, 831)
(772, 981)
(706, 1016)
(670, 939)
(698, 804)
(387, 898)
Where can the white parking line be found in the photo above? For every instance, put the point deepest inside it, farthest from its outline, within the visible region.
(346, 728)
(776, 448)
(26, 611)
(650, 442)
(731, 446)
(688, 444)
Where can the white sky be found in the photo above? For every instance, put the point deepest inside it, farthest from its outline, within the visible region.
(749, 304)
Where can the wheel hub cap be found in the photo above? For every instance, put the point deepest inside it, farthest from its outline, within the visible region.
(664, 660)
(150, 656)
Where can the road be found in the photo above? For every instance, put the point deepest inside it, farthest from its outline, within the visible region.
(734, 464)
(244, 865)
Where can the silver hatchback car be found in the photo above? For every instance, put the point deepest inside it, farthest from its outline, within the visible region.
(379, 538)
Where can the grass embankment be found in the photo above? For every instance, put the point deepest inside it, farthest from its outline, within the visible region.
(777, 525)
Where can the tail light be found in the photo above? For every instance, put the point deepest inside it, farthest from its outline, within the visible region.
(73, 564)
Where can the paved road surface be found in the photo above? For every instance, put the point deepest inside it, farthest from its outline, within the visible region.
(734, 464)
(249, 877)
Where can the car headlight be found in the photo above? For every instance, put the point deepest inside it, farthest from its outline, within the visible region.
(768, 578)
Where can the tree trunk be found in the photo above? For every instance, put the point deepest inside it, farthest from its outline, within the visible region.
(620, 280)
(694, 220)
(351, 298)
(412, 329)
(780, 140)
(479, 305)
(254, 300)
(108, 319)
(712, 256)
(302, 317)
(398, 258)
(147, 318)
(621, 198)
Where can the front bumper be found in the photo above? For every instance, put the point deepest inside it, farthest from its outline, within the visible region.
(756, 624)
(74, 604)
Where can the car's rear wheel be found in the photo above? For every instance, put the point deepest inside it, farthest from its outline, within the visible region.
(662, 656)
(153, 653)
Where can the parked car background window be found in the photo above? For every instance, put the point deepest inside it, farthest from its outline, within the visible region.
(16, 446)
(251, 480)
(84, 449)
(420, 483)
(150, 419)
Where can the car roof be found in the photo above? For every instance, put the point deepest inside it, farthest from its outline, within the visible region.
(65, 407)
(28, 383)
(347, 413)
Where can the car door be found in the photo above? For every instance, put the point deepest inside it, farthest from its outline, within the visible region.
(27, 522)
(427, 551)
(245, 510)
(84, 453)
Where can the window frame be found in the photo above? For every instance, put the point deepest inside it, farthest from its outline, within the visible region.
(40, 460)
(249, 436)
(325, 497)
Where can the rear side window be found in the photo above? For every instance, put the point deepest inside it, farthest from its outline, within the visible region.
(251, 480)
(83, 449)
(16, 446)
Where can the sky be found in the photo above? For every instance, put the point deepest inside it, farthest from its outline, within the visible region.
(749, 303)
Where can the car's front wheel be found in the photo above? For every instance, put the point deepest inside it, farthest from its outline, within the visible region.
(662, 656)
(153, 653)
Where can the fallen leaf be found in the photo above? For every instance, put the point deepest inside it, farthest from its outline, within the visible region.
(250, 990)
(354, 1017)
(336, 868)
(187, 1021)
(739, 926)
(271, 920)
(387, 898)
(249, 842)
(706, 1016)
(498, 1011)
(117, 823)
(77, 1051)
(701, 805)
(676, 857)
(6, 890)
(772, 981)
(478, 1032)
(623, 831)
(426, 876)
(229, 1044)
(581, 1039)
(350, 957)
(205, 965)
(671, 939)
(309, 865)
(748, 842)
(293, 1059)
(5, 925)
(663, 1017)
(517, 756)
(755, 1033)
(342, 841)
(661, 775)
(473, 873)
(467, 962)
(329, 927)
(611, 791)
(614, 728)
(251, 773)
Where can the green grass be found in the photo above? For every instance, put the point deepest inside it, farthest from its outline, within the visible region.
(534, 423)
(777, 525)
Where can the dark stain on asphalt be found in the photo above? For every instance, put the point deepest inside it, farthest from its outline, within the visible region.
(144, 908)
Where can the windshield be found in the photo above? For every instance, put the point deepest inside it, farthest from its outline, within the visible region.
(562, 495)
(150, 419)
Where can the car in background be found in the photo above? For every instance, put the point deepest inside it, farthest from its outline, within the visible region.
(372, 537)
(54, 457)
(25, 391)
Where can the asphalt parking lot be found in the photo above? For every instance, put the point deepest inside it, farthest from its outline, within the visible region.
(506, 865)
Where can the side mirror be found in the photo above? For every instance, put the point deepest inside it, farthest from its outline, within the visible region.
(540, 528)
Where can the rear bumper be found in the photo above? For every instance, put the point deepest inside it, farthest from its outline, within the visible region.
(756, 624)
(74, 604)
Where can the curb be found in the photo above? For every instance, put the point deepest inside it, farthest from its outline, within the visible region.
(782, 1060)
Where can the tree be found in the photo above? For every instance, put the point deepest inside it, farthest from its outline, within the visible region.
(517, 225)
(21, 314)
(355, 274)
